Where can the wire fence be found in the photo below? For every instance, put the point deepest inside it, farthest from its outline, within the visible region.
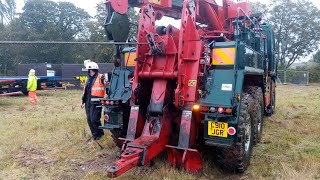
(293, 77)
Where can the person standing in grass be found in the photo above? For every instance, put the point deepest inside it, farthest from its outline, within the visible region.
(32, 87)
(94, 88)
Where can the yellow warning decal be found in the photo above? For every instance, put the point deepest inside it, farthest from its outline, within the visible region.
(81, 78)
(155, 1)
(223, 56)
(129, 58)
(192, 83)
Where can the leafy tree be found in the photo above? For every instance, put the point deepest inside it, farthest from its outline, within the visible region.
(47, 21)
(316, 57)
(50, 21)
(297, 23)
(259, 7)
(7, 10)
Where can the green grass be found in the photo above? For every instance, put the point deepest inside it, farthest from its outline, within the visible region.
(47, 141)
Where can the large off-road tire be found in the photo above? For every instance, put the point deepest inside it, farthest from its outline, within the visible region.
(258, 108)
(237, 158)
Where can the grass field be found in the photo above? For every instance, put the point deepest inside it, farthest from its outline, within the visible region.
(47, 141)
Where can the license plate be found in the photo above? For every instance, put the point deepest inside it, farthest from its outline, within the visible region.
(5, 87)
(219, 129)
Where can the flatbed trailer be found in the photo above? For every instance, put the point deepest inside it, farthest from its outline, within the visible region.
(13, 85)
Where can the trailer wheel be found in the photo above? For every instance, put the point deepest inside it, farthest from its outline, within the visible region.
(237, 158)
(24, 91)
(257, 95)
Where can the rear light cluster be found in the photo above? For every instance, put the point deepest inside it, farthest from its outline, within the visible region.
(106, 117)
(112, 103)
(231, 131)
(108, 102)
(219, 110)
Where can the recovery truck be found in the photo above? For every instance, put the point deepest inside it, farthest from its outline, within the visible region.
(207, 84)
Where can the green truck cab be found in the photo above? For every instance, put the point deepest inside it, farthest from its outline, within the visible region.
(238, 91)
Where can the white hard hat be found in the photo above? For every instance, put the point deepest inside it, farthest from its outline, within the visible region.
(32, 71)
(85, 62)
(92, 65)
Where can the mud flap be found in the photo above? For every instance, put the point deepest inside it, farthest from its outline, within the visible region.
(182, 156)
(188, 159)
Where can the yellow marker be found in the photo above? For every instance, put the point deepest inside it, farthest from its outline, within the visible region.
(129, 58)
(192, 83)
(223, 56)
(155, 1)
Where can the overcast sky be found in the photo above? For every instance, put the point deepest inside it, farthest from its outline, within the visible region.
(90, 5)
(87, 5)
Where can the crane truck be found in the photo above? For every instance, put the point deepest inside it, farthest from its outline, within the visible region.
(206, 84)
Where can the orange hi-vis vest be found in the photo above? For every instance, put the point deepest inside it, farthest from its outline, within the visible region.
(98, 89)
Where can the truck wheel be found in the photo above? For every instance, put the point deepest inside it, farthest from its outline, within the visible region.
(237, 158)
(257, 95)
(258, 125)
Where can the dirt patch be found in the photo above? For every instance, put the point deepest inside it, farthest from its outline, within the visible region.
(100, 163)
(30, 156)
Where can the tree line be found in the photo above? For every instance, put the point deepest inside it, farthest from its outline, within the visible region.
(45, 20)
(297, 28)
(297, 32)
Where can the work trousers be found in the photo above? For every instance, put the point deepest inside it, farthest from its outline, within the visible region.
(94, 119)
(33, 97)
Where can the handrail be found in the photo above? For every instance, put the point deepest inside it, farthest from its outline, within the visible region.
(238, 12)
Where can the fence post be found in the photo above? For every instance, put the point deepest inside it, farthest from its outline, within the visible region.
(285, 77)
(308, 78)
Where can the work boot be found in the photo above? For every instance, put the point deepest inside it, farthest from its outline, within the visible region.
(96, 138)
